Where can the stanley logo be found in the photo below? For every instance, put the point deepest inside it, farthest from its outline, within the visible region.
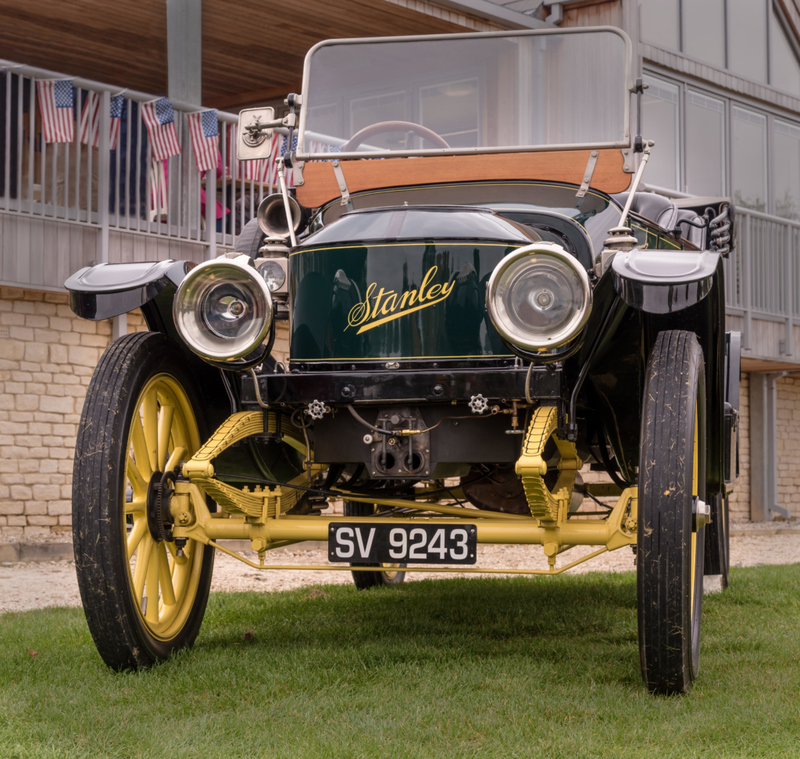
(385, 306)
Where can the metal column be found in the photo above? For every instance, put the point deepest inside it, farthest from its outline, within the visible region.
(764, 448)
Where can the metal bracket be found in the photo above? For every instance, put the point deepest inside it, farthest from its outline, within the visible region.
(587, 175)
(298, 173)
(340, 180)
(628, 164)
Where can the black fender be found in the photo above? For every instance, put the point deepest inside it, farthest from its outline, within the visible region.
(103, 291)
(664, 282)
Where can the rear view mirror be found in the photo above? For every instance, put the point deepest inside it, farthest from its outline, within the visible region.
(254, 138)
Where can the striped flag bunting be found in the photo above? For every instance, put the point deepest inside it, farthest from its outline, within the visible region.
(159, 118)
(317, 146)
(204, 133)
(266, 170)
(117, 103)
(90, 119)
(56, 101)
(253, 170)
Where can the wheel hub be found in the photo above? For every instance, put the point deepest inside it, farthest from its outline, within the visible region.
(701, 513)
(159, 518)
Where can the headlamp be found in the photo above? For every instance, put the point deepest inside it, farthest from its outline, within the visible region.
(223, 309)
(538, 297)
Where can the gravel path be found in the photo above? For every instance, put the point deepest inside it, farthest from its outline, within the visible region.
(25, 586)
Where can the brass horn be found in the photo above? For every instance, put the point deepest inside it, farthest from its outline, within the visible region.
(271, 216)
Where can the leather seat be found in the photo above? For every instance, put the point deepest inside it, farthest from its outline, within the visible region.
(665, 213)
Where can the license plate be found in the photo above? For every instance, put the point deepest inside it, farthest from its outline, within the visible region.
(380, 543)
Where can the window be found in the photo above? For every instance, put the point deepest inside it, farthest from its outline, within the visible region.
(786, 169)
(708, 144)
(705, 144)
(749, 158)
(660, 124)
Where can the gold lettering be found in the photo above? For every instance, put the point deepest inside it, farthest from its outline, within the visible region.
(413, 296)
(360, 312)
(378, 302)
(433, 291)
(404, 298)
(429, 275)
(390, 304)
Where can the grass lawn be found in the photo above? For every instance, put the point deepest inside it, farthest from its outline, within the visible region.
(543, 667)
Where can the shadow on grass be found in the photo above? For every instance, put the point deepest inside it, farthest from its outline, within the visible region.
(544, 620)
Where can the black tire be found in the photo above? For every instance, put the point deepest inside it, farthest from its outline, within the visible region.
(669, 549)
(137, 377)
(250, 239)
(365, 580)
(718, 542)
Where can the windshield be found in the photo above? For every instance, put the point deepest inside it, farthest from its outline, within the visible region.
(472, 93)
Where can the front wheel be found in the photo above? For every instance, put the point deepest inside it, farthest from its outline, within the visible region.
(671, 524)
(142, 598)
(390, 574)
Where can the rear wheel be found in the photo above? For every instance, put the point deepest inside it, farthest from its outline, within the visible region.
(718, 541)
(390, 574)
(250, 239)
(671, 538)
(142, 599)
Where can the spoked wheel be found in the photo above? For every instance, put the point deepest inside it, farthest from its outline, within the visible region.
(718, 541)
(142, 598)
(390, 574)
(671, 535)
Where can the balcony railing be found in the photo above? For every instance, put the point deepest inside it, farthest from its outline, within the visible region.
(763, 274)
(121, 189)
(762, 277)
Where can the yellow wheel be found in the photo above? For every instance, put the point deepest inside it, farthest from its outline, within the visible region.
(143, 595)
(672, 514)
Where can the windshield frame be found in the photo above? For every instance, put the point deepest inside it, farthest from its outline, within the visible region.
(625, 143)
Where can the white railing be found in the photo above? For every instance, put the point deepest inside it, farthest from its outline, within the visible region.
(762, 272)
(122, 188)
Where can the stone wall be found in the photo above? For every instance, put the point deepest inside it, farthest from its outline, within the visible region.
(47, 357)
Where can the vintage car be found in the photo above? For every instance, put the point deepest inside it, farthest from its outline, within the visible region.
(482, 302)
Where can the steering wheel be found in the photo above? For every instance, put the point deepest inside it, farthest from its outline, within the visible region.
(392, 126)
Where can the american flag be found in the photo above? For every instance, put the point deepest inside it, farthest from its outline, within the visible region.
(56, 99)
(285, 145)
(259, 170)
(204, 131)
(90, 119)
(159, 118)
